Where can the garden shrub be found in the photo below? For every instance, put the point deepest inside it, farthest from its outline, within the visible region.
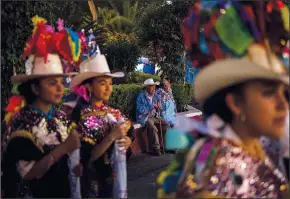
(140, 77)
(124, 97)
(183, 95)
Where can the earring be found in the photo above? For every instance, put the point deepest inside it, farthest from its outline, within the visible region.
(90, 95)
(243, 118)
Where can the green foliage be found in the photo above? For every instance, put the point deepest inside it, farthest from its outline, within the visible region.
(140, 77)
(115, 17)
(98, 30)
(161, 37)
(124, 97)
(17, 28)
(183, 95)
(122, 55)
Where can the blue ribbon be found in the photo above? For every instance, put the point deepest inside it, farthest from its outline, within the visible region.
(285, 61)
(75, 38)
(208, 5)
(170, 182)
(202, 44)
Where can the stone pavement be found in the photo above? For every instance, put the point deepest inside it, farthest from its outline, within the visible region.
(142, 171)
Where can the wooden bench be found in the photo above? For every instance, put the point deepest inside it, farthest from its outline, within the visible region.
(140, 143)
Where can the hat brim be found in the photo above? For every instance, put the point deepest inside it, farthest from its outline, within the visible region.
(22, 78)
(79, 78)
(155, 84)
(229, 72)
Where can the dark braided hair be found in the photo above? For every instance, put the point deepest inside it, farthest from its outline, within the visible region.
(26, 91)
(81, 103)
(217, 104)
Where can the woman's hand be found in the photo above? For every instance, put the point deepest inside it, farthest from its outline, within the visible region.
(118, 132)
(78, 170)
(125, 142)
(73, 142)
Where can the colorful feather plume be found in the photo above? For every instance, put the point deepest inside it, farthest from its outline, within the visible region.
(74, 43)
(218, 29)
(42, 41)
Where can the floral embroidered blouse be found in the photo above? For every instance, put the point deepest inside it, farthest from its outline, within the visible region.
(94, 126)
(31, 135)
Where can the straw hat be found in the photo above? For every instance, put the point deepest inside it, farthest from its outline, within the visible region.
(36, 67)
(149, 82)
(228, 72)
(94, 66)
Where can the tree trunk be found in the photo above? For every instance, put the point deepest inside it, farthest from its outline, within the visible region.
(93, 10)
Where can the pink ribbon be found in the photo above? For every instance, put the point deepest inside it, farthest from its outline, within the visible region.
(82, 92)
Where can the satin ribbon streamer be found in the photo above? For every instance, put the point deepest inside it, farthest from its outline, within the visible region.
(82, 92)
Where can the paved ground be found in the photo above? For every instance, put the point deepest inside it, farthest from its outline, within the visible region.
(142, 173)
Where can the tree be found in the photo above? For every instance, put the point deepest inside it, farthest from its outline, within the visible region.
(161, 38)
(118, 17)
(122, 55)
(17, 28)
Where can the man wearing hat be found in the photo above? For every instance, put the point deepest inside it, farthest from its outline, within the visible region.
(148, 114)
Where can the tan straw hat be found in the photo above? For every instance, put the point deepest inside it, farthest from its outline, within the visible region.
(228, 72)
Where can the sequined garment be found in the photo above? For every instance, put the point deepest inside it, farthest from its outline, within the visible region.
(233, 173)
(94, 126)
(274, 149)
(30, 136)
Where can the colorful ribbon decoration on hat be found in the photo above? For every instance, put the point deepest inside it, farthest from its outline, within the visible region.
(45, 40)
(42, 40)
(75, 44)
(216, 39)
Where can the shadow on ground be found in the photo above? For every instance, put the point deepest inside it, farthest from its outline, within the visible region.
(142, 173)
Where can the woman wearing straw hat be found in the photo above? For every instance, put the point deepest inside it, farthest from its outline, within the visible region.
(100, 126)
(243, 99)
(38, 137)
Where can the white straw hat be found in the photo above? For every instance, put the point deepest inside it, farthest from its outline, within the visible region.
(36, 67)
(149, 82)
(93, 67)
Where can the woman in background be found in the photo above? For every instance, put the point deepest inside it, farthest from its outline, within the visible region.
(168, 110)
(100, 125)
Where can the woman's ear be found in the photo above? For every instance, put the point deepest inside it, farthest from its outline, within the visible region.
(35, 89)
(234, 104)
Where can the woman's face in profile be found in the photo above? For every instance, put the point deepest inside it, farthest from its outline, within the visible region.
(265, 107)
(101, 88)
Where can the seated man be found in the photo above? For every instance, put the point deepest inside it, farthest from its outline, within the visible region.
(168, 111)
(148, 113)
